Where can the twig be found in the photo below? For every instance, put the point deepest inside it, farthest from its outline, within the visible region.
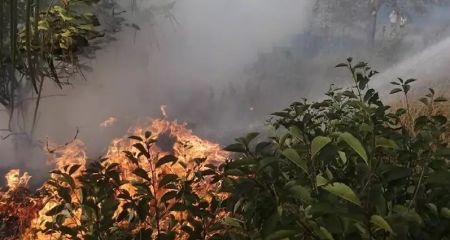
(47, 96)
(12, 134)
(62, 146)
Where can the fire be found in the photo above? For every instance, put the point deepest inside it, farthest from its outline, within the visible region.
(163, 110)
(14, 180)
(172, 138)
(108, 122)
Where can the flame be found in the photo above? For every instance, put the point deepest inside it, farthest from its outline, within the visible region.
(172, 138)
(14, 180)
(163, 110)
(108, 122)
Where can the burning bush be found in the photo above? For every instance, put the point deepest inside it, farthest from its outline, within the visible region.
(141, 189)
(346, 167)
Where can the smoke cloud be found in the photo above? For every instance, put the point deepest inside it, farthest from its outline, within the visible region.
(200, 61)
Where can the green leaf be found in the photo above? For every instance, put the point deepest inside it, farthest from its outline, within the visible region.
(395, 90)
(325, 234)
(142, 149)
(251, 136)
(441, 177)
(141, 173)
(178, 207)
(87, 27)
(445, 212)
(169, 195)
(355, 144)
(343, 191)
(281, 234)
(385, 143)
(295, 132)
(410, 81)
(380, 223)
(236, 147)
(360, 65)
(55, 210)
(43, 25)
(318, 143)
(341, 65)
(293, 156)
(301, 193)
(232, 222)
(343, 157)
(68, 231)
(166, 159)
(168, 179)
(395, 173)
(321, 181)
(64, 193)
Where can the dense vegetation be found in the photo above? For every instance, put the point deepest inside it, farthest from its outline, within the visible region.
(40, 41)
(346, 167)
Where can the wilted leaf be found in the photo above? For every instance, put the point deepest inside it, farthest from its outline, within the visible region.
(440, 99)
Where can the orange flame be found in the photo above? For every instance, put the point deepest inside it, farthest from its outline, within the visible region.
(173, 138)
(14, 180)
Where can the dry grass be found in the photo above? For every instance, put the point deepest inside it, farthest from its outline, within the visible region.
(416, 108)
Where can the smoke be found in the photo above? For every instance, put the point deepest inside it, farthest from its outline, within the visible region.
(183, 62)
(219, 65)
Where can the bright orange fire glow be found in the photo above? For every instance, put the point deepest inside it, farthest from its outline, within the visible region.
(172, 138)
(14, 180)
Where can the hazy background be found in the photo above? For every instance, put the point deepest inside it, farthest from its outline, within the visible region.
(222, 66)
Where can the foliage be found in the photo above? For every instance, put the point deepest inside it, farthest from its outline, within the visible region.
(157, 204)
(344, 168)
(40, 41)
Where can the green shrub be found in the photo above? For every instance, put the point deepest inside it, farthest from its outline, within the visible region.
(344, 168)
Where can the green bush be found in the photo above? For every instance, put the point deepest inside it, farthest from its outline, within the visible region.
(344, 168)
